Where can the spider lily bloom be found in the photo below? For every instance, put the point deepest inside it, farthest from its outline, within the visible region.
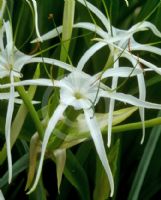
(121, 44)
(83, 92)
(11, 63)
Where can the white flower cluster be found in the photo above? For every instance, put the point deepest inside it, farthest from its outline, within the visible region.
(79, 89)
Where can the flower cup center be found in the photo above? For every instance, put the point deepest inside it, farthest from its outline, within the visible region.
(78, 95)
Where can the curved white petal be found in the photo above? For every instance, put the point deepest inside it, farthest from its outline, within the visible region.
(52, 62)
(9, 45)
(142, 91)
(112, 102)
(98, 13)
(8, 127)
(98, 141)
(86, 56)
(125, 98)
(51, 34)
(92, 27)
(7, 95)
(148, 25)
(38, 82)
(120, 72)
(1, 195)
(142, 96)
(141, 47)
(146, 63)
(36, 20)
(50, 127)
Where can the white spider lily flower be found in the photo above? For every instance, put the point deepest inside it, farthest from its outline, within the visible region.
(124, 40)
(34, 3)
(82, 91)
(121, 43)
(11, 63)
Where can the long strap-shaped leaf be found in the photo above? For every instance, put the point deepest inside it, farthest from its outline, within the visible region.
(144, 163)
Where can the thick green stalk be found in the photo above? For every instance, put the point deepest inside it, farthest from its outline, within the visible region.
(68, 19)
(120, 128)
(137, 125)
(31, 110)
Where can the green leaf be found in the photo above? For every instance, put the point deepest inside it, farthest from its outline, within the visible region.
(60, 155)
(144, 163)
(19, 166)
(34, 151)
(76, 176)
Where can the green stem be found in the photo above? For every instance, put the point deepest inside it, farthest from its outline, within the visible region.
(68, 18)
(31, 110)
(119, 128)
(137, 125)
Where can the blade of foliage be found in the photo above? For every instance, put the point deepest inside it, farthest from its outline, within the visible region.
(144, 163)
(34, 150)
(76, 176)
(19, 166)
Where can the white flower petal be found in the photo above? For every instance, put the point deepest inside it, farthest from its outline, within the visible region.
(51, 34)
(148, 25)
(7, 95)
(92, 27)
(36, 20)
(125, 98)
(98, 13)
(146, 63)
(52, 62)
(141, 47)
(9, 36)
(50, 127)
(112, 102)
(8, 127)
(39, 82)
(86, 56)
(1, 196)
(98, 141)
(120, 72)
(142, 91)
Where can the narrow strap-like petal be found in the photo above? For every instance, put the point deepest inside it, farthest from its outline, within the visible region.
(52, 62)
(92, 27)
(125, 98)
(51, 34)
(10, 109)
(38, 82)
(98, 141)
(50, 127)
(86, 56)
(98, 13)
(120, 72)
(142, 92)
(112, 102)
